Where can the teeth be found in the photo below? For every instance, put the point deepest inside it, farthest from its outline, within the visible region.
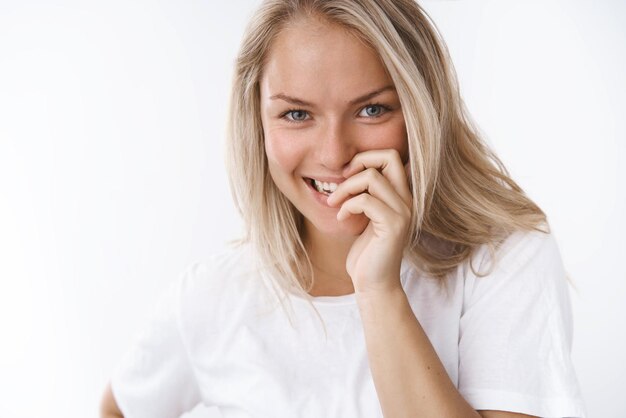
(324, 187)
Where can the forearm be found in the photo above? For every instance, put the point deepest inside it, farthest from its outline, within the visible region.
(410, 379)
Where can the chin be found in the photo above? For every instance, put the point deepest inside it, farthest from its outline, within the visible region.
(348, 228)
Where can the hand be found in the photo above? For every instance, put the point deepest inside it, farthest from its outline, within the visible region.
(376, 186)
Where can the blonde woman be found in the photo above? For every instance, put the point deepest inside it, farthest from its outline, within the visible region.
(391, 266)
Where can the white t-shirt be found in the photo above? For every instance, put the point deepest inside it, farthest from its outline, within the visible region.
(504, 339)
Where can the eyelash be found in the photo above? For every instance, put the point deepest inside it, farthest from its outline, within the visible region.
(382, 106)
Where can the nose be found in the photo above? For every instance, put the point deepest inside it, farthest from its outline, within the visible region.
(336, 147)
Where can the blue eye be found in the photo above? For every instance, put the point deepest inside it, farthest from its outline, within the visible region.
(295, 115)
(373, 110)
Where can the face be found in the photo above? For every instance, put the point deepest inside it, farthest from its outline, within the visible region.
(325, 96)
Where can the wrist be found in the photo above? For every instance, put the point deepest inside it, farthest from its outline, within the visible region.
(385, 295)
(384, 309)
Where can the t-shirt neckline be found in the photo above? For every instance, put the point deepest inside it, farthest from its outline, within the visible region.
(350, 298)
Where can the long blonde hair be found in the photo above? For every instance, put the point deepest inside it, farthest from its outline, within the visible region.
(463, 196)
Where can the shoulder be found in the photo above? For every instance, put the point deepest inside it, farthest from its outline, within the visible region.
(218, 270)
(521, 248)
(526, 263)
(228, 276)
(216, 290)
(516, 330)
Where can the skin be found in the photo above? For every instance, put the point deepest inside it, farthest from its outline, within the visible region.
(313, 128)
(356, 236)
(108, 405)
(362, 144)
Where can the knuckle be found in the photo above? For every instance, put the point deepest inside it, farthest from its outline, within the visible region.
(371, 171)
(363, 198)
(371, 174)
(393, 154)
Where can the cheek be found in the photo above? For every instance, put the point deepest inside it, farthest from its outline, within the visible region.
(399, 142)
(282, 150)
(389, 135)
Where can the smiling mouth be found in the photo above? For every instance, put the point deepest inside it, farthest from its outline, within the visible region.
(322, 186)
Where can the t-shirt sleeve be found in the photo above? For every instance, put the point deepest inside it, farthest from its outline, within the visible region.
(516, 332)
(155, 378)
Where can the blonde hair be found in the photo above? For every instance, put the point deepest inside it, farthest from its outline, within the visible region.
(463, 196)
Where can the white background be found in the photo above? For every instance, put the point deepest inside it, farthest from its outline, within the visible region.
(112, 179)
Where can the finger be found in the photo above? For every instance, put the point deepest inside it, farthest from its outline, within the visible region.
(389, 163)
(369, 181)
(383, 217)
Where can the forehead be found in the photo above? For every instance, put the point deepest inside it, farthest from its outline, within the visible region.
(322, 60)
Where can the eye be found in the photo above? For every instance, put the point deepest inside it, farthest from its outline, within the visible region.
(373, 110)
(295, 115)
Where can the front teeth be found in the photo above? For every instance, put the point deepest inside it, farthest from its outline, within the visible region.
(324, 187)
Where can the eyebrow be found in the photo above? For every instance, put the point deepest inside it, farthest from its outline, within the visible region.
(360, 99)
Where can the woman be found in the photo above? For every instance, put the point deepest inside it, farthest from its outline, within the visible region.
(369, 197)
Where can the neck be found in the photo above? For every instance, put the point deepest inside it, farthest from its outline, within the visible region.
(328, 255)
